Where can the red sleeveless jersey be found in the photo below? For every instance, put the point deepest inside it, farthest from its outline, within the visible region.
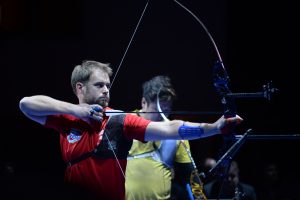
(100, 176)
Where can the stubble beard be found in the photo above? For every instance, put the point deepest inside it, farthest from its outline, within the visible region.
(103, 103)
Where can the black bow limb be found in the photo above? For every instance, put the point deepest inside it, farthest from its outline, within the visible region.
(221, 84)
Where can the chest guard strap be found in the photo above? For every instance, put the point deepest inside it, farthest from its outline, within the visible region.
(113, 141)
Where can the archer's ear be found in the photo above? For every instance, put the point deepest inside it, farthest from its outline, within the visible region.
(144, 103)
(79, 88)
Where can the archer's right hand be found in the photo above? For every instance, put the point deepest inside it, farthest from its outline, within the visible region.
(89, 113)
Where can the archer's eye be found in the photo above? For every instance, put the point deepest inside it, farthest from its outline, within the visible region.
(108, 85)
(101, 85)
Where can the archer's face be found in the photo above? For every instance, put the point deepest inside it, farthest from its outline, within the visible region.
(96, 90)
(152, 107)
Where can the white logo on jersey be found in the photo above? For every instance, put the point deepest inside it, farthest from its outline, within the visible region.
(73, 137)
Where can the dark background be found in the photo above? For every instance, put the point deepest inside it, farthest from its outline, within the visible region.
(41, 42)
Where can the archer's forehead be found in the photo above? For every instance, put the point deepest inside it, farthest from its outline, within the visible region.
(99, 75)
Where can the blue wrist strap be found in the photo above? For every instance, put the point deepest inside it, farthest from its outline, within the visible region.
(190, 132)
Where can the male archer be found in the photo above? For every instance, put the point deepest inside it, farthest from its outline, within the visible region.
(94, 145)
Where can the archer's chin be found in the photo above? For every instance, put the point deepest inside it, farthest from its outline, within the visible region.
(104, 104)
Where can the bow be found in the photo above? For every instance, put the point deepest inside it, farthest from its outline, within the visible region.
(220, 63)
(221, 80)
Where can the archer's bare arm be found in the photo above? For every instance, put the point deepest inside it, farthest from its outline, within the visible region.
(170, 129)
(38, 107)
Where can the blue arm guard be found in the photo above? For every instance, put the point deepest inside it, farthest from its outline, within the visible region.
(190, 132)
